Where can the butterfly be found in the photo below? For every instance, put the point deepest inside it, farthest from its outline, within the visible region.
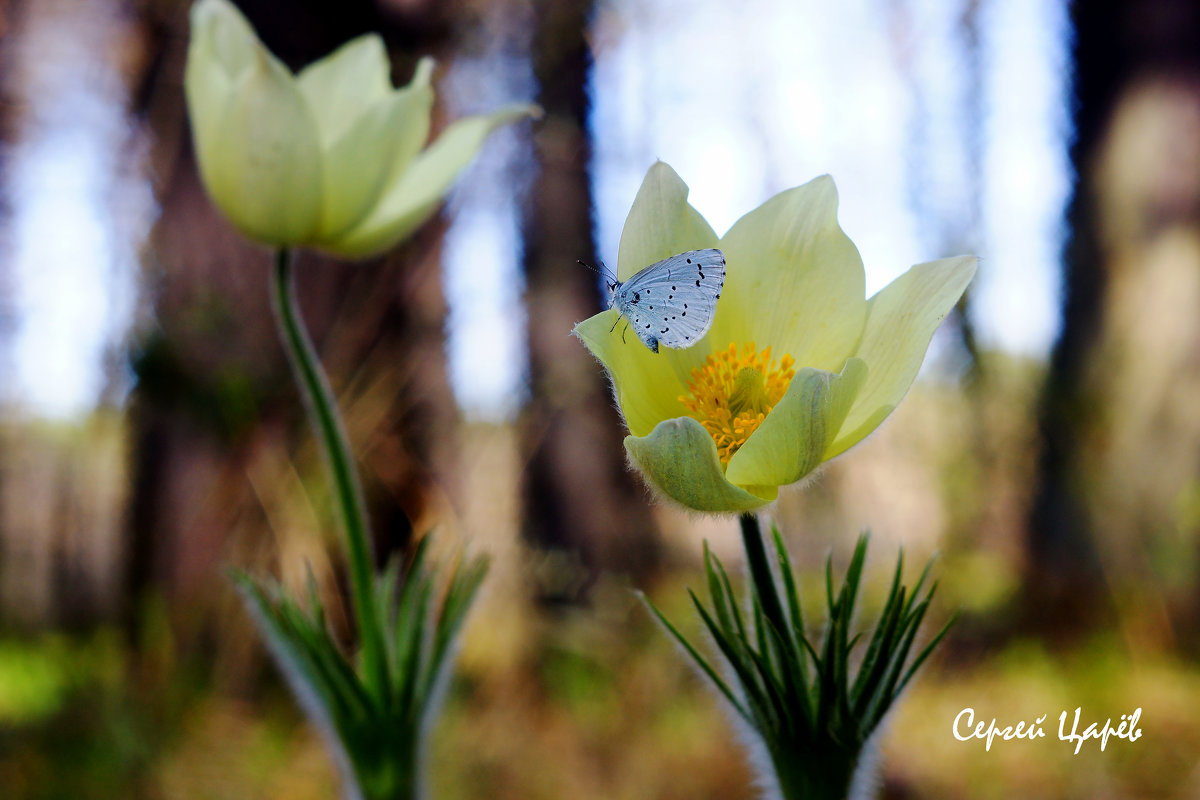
(672, 302)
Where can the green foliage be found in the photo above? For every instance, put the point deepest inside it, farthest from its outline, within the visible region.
(812, 710)
(37, 676)
(376, 729)
(225, 400)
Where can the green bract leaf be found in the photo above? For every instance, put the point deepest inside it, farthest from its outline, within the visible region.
(377, 734)
(813, 722)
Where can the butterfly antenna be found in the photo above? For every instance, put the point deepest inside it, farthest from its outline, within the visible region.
(602, 271)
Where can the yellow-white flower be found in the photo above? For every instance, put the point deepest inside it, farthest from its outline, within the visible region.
(798, 366)
(330, 158)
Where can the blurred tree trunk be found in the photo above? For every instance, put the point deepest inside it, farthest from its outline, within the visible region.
(10, 109)
(1120, 432)
(965, 234)
(226, 470)
(9, 11)
(579, 497)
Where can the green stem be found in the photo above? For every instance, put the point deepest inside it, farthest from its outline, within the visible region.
(809, 766)
(348, 498)
(821, 773)
(760, 573)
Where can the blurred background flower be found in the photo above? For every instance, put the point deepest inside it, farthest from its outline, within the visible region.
(329, 158)
(148, 436)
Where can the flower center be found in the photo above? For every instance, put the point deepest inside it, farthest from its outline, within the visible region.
(731, 394)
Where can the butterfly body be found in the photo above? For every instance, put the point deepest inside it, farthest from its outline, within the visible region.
(672, 302)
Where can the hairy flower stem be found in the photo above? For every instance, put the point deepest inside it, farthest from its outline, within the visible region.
(760, 571)
(807, 767)
(823, 773)
(327, 424)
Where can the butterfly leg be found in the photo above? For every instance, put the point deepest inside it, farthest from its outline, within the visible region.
(623, 332)
(614, 327)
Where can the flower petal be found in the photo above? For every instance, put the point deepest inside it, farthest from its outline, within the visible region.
(223, 35)
(647, 385)
(790, 443)
(901, 319)
(412, 130)
(680, 460)
(258, 152)
(660, 224)
(207, 83)
(344, 84)
(389, 132)
(415, 194)
(794, 280)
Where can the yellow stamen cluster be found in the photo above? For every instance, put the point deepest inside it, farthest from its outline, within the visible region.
(731, 394)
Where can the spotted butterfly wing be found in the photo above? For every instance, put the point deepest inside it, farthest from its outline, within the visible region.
(673, 301)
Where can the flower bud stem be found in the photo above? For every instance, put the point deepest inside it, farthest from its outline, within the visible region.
(760, 571)
(819, 769)
(327, 424)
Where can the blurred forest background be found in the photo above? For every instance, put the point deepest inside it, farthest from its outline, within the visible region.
(150, 435)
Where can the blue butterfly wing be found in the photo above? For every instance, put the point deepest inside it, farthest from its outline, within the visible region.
(673, 301)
